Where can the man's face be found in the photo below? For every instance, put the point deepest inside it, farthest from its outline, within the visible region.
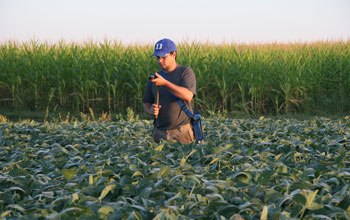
(167, 62)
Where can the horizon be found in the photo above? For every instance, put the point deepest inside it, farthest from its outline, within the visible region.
(183, 42)
(139, 22)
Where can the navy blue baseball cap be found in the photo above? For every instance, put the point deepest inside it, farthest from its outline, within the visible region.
(164, 47)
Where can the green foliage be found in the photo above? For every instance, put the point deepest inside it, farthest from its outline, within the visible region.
(245, 169)
(110, 76)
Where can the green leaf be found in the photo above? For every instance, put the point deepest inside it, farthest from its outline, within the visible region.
(15, 188)
(137, 215)
(75, 197)
(310, 204)
(4, 214)
(65, 211)
(213, 161)
(63, 149)
(323, 217)
(105, 211)
(301, 185)
(214, 196)
(314, 206)
(299, 199)
(91, 180)
(16, 207)
(296, 210)
(311, 197)
(183, 161)
(242, 176)
(264, 213)
(340, 159)
(139, 207)
(345, 203)
(265, 177)
(69, 173)
(164, 171)
(106, 190)
(160, 147)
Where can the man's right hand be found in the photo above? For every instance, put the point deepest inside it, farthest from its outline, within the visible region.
(155, 109)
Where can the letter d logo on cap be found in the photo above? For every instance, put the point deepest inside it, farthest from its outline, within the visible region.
(159, 46)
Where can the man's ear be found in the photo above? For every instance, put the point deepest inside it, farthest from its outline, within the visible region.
(174, 54)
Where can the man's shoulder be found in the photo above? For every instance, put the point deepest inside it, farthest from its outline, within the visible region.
(181, 68)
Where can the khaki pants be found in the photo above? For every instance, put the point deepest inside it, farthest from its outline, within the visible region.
(183, 134)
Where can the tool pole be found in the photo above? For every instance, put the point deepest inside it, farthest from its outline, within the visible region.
(156, 116)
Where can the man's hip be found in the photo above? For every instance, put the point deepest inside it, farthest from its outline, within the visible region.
(183, 134)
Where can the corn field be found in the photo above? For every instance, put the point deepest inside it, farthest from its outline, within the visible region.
(111, 77)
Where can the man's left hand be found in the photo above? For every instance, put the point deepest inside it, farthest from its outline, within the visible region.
(159, 80)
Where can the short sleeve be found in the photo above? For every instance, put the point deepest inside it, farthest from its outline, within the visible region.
(188, 80)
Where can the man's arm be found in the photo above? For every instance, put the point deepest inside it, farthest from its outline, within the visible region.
(179, 91)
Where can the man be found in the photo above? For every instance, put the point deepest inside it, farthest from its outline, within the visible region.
(171, 123)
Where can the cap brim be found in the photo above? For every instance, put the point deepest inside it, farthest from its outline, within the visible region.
(160, 54)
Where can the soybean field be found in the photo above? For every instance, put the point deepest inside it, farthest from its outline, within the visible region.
(245, 169)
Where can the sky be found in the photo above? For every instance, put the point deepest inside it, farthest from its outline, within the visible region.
(146, 21)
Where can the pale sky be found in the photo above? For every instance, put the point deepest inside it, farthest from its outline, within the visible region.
(146, 21)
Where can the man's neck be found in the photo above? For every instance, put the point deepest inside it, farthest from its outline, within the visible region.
(171, 69)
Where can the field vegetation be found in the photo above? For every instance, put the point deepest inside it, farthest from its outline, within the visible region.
(254, 79)
(245, 169)
(84, 164)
